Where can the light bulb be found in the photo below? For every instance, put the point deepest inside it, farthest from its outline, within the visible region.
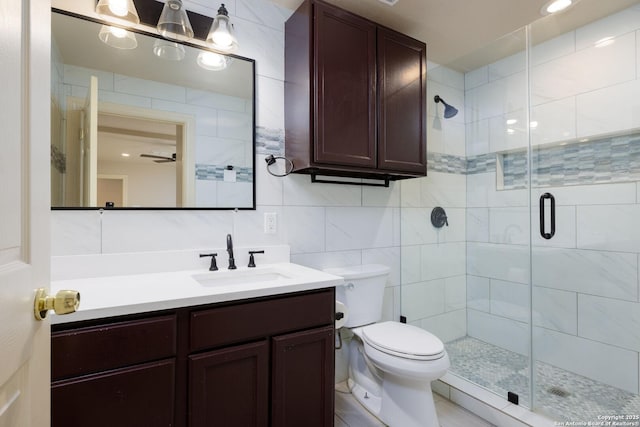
(118, 32)
(118, 7)
(212, 61)
(558, 5)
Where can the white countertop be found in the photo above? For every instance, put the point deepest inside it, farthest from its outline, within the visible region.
(116, 295)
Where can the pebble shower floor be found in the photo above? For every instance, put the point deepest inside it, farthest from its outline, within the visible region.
(561, 395)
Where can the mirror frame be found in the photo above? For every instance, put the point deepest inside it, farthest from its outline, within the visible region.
(199, 22)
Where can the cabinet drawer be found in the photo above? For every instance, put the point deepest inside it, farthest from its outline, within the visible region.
(254, 320)
(143, 395)
(113, 345)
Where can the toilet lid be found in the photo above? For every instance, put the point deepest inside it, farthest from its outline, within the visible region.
(403, 340)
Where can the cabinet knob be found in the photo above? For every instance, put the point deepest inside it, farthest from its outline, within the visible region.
(64, 302)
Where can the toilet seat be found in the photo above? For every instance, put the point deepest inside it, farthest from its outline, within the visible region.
(402, 340)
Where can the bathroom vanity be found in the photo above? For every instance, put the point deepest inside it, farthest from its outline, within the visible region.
(261, 360)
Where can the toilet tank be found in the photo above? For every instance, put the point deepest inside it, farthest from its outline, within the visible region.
(362, 292)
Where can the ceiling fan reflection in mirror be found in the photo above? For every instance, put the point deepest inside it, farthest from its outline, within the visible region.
(160, 158)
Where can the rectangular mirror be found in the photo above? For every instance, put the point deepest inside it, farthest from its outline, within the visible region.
(157, 126)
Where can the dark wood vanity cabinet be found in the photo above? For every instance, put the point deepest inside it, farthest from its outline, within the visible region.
(259, 362)
(355, 96)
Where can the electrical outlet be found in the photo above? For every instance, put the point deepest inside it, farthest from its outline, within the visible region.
(270, 223)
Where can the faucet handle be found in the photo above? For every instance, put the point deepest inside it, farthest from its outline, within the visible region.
(213, 266)
(252, 262)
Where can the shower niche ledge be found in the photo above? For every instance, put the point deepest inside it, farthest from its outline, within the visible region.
(355, 103)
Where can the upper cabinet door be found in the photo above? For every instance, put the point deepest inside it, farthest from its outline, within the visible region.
(345, 81)
(402, 141)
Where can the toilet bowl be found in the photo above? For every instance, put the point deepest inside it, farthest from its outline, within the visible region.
(391, 364)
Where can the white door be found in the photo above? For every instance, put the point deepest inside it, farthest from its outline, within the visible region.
(90, 145)
(24, 210)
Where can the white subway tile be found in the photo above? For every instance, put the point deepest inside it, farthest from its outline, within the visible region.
(264, 44)
(452, 96)
(299, 191)
(503, 262)
(477, 224)
(554, 309)
(565, 76)
(446, 76)
(446, 136)
(358, 228)
(509, 225)
(455, 293)
(164, 230)
(235, 125)
(206, 193)
(322, 260)
(447, 326)
(455, 231)
(555, 121)
(269, 188)
(596, 194)
(263, 13)
(423, 299)
(76, 232)
(443, 260)
(410, 192)
(385, 256)
(506, 135)
(609, 274)
(509, 65)
(416, 228)
(382, 196)
(479, 293)
(554, 48)
(80, 76)
(608, 364)
(565, 235)
(411, 269)
(510, 300)
(609, 321)
(615, 25)
(204, 98)
(477, 77)
(304, 228)
(235, 194)
(248, 228)
(477, 137)
(609, 227)
(269, 103)
(443, 189)
(609, 109)
(502, 332)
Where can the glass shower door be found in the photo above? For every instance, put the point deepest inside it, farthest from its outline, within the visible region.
(585, 164)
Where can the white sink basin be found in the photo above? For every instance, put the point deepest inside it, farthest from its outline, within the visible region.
(244, 276)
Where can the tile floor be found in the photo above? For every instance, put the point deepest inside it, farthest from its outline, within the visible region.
(349, 413)
(560, 394)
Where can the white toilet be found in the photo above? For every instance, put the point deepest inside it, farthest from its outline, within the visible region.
(391, 364)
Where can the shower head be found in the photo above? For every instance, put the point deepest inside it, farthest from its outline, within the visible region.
(449, 111)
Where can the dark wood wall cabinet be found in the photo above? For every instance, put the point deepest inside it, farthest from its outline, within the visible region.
(355, 96)
(260, 362)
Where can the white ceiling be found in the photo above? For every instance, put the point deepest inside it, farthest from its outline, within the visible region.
(454, 29)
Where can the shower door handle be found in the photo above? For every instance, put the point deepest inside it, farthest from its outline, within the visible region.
(543, 227)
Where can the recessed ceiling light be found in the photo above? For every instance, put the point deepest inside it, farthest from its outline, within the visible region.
(125, 155)
(555, 6)
(388, 2)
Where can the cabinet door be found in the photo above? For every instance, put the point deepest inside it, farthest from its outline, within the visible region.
(345, 82)
(302, 388)
(142, 395)
(402, 93)
(229, 387)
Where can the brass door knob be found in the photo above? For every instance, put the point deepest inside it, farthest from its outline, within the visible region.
(64, 302)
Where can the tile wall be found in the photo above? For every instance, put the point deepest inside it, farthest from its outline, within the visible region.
(585, 280)
(325, 225)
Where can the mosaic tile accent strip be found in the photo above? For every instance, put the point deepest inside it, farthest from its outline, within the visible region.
(607, 160)
(560, 394)
(446, 163)
(269, 141)
(216, 173)
(481, 164)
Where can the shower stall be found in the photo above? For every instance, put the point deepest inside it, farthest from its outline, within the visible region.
(532, 282)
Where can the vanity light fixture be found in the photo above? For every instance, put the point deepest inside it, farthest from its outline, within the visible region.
(168, 50)
(174, 23)
(118, 11)
(117, 37)
(212, 61)
(221, 35)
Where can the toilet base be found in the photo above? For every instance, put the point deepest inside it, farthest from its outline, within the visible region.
(394, 400)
